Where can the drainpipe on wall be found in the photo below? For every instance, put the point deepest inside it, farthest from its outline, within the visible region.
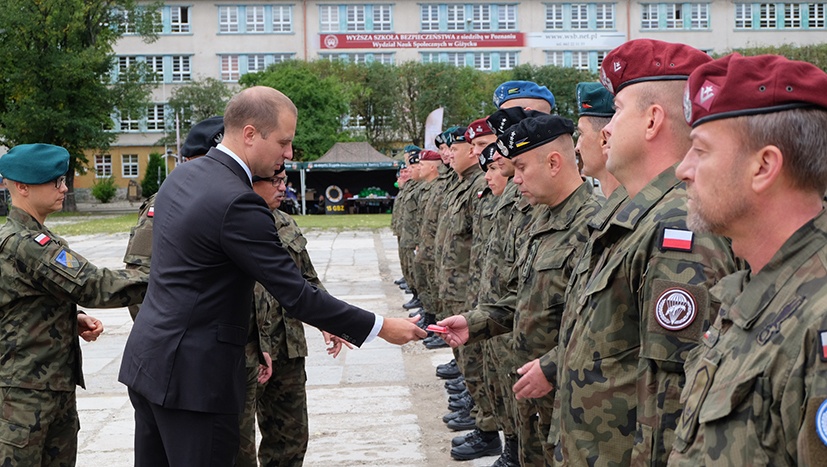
(304, 25)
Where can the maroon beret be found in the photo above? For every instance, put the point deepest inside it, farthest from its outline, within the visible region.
(429, 155)
(733, 86)
(478, 128)
(649, 60)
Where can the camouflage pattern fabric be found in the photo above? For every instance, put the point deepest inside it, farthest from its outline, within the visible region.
(409, 231)
(247, 422)
(139, 248)
(43, 281)
(621, 370)
(755, 392)
(282, 414)
(425, 259)
(422, 269)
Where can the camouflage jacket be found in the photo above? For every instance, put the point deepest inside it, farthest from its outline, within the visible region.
(452, 183)
(431, 215)
(757, 384)
(410, 219)
(398, 203)
(43, 282)
(483, 222)
(453, 265)
(280, 334)
(139, 248)
(642, 309)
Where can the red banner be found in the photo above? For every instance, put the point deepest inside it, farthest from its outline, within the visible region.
(420, 41)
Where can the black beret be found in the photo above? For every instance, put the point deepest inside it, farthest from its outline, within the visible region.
(204, 135)
(487, 156)
(532, 133)
(504, 119)
(457, 135)
(413, 158)
(439, 140)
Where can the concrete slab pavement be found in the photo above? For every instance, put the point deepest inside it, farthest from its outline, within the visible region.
(365, 408)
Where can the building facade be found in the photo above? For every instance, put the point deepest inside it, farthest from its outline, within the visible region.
(224, 40)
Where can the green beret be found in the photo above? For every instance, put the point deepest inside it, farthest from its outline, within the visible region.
(593, 100)
(34, 163)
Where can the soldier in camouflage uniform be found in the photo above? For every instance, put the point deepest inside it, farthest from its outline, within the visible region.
(595, 109)
(43, 282)
(402, 179)
(756, 390)
(409, 226)
(546, 171)
(429, 165)
(203, 136)
(639, 299)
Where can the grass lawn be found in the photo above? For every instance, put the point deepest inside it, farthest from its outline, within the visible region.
(89, 223)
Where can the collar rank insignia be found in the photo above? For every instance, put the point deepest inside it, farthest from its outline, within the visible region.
(42, 239)
(676, 239)
(150, 212)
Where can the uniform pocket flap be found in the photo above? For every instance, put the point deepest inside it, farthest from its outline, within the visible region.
(554, 259)
(231, 334)
(13, 434)
(725, 399)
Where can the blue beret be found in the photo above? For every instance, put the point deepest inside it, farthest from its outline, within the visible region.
(593, 100)
(203, 135)
(522, 90)
(532, 133)
(412, 148)
(34, 163)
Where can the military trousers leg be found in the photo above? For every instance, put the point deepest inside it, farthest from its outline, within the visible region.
(497, 379)
(282, 414)
(38, 428)
(409, 272)
(424, 284)
(247, 423)
(533, 427)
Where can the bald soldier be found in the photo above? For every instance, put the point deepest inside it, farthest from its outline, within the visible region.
(756, 390)
(43, 283)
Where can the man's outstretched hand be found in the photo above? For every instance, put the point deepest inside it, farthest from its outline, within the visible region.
(401, 330)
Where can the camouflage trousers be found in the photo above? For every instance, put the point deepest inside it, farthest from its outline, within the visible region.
(38, 428)
(425, 288)
(533, 426)
(406, 257)
(497, 371)
(247, 423)
(470, 362)
(282, 414)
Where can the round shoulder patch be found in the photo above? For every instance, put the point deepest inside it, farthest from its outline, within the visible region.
(675, 309)
(821, 422)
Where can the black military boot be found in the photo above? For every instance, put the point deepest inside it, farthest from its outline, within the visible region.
(413, 302)
(486, 443)
(449, 370)
(462, 439)
(509, 457)
(399, 281)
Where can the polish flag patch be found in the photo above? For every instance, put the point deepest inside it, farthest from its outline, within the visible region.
(150, 212)
(822, 337)
(42, 239)
(677, 239)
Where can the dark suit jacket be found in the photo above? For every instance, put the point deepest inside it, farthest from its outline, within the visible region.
(214, 238)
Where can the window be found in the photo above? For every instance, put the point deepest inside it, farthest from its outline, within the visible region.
(456, 17)
(767, 16)
(605, 16)
(155, 117)
(743, 15)
(124, 63)
(127, 123)
(481, 17)
(482, 61)
(555, 58)
(103, 165)
(255, 18)
(129, 165)
(580, 60)
(792, 15)
(579, 16)
(179, 19)
(674, 16)
(155, 65)
(255, 63)
(554, 16)
(455, 58)
(699, 18)
(230, 69)
(278, 58)
(282, 18)
(228, 19)
(508, 60)
(356, 18)
(126, 25)
(601, 54)
(382, 18)
(649, 16)
(329, 18)
(181, 69)
(816, 16)
(429, 17)
(430, 57)
(507, 17)
(386, 59)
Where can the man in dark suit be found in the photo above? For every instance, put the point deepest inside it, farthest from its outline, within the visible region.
(184, 359)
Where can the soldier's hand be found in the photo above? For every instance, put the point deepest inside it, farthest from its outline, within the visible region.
(458, 333)
(401, 330)
(265, 371)
(89, 328)
(334, 344)
(533, 383)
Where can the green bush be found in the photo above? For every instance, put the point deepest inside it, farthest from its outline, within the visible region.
(154, 175)
(104, 189)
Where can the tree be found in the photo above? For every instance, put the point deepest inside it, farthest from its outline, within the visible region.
(194, 102)
(154, 176)
(375, 90)
(55, 59)
(322, 103)
(815, 54)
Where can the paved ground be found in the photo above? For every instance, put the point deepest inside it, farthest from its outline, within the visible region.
(380, 405)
